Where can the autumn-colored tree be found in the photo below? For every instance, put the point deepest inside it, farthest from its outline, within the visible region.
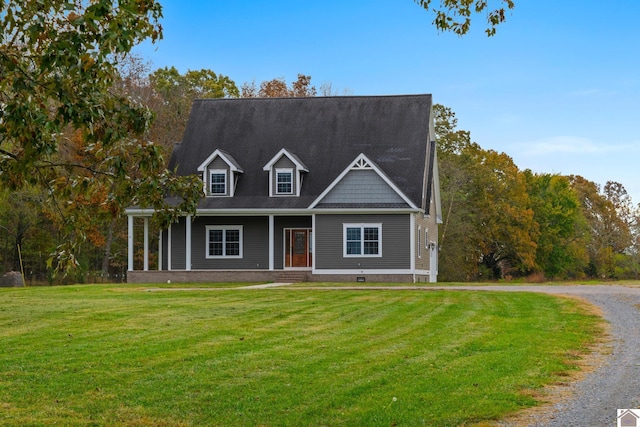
(455, 15)
(635, 243)
(58, 63)
(487, 219)
(609, 232)
(506, 228)
(278, 88)
(458, 257)
(621, 225)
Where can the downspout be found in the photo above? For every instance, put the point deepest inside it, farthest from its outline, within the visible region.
(412, 242)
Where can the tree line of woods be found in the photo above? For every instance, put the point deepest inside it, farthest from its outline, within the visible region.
(499, 222)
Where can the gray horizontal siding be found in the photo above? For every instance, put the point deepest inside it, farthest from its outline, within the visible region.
(178, 241)
(395, 242)
(255, 241)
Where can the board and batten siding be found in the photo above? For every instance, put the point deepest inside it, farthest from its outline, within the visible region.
(329, 241)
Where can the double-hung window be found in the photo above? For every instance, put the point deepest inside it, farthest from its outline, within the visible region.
(218, 182)
(362, 240)
(284, 181)
(224, 241)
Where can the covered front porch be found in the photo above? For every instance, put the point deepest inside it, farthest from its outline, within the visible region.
(221, 243)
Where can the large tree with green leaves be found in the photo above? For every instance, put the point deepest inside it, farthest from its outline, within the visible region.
(174, 93)
(562, 235)
(63, 126)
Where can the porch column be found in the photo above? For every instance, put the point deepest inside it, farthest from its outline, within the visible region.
(169, 248)
(130, 243)
(188, 243)
(146, 244)
(271, 242)
(313, 244)
(160, 250)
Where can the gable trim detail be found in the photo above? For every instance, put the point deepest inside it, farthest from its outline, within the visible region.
(363, 163)
(284, 152)
(228, 159)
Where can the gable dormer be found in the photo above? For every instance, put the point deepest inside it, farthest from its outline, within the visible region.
(220, 172)
(285, 174)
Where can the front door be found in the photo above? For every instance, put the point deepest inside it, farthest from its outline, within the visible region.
(298, 248)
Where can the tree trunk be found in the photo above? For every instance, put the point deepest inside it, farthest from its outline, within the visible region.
(107, 250)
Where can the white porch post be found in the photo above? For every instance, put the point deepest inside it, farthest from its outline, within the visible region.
(160, 250)
(313, 244)
(169, 248)
(146, 244)
(130, 243)
(271, 242)
(188, 243)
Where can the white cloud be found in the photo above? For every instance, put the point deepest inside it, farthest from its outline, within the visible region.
(574, 145)
(593, 92)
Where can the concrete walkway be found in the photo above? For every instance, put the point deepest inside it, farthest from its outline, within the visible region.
(264, 286)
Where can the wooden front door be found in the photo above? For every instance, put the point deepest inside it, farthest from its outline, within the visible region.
(298, 244)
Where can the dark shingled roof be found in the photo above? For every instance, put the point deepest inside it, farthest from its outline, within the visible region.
(325, 133)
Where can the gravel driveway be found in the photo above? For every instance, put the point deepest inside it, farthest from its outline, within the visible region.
(615, 384)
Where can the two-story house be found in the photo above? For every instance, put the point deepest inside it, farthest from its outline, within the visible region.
(316, 189)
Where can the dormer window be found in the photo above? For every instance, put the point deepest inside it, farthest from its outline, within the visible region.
(218, 182)
(220, 172)
(286, 171)
(284, 181)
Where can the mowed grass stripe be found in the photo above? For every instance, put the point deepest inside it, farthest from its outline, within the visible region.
(105, 355)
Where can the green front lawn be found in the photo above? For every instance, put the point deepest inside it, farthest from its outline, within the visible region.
(120, 355)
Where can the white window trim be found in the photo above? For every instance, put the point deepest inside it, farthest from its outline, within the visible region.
(289, 171)
(223, 228)
(362, 226)
(419, 242)
(226, 182)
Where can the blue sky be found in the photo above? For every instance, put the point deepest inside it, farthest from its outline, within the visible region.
(557, 88)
